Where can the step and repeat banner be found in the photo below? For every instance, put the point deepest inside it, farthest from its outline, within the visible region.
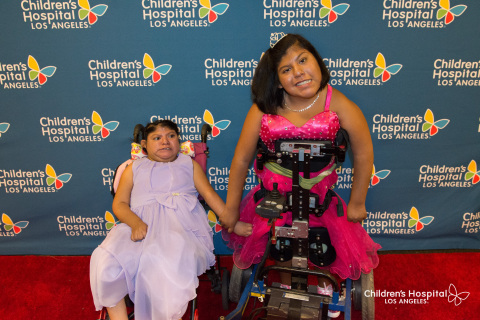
(77, 76)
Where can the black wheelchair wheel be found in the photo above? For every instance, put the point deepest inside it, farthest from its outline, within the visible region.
(238, 282)
(368, 302)
(225, 286)
(361, 301)
(357, 294)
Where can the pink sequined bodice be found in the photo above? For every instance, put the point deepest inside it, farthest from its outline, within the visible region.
(322, 126)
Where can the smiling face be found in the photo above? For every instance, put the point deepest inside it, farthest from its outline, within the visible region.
(299, 74)
(162, 145)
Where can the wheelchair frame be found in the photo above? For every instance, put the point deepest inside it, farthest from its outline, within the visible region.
(302, 301)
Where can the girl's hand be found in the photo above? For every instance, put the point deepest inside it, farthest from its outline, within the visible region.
(139, 231)
(356, 213)
(243, 229)
(228, 219)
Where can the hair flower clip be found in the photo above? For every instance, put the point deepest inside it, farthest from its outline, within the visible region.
(187, 148)
(137, 151)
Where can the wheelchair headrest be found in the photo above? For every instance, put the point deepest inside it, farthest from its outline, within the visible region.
(138, 133)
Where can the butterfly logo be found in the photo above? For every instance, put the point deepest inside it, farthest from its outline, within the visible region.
(100, 126)
(212, 12)
(4, 127)
(9, 225)
(52, 178)
(449, 13)
(431, 124)
(418, 222)
(111, 222)
(150, 70)
(216, 126)
(213, 222)
(383, 70)
(454, 296)
(35, 71)
(377, 176)
(332, 12)
(473, 172)
(92, 13)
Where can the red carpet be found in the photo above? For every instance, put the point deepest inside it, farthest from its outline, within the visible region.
(57, 287)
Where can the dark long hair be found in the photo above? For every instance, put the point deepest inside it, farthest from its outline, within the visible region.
(265, 83)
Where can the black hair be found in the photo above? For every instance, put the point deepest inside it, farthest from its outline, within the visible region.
(152, 126)
(265, 89)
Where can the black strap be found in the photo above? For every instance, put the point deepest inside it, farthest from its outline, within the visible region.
(260, 194)
(340, 211)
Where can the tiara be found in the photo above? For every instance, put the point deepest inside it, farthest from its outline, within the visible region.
(276, 37)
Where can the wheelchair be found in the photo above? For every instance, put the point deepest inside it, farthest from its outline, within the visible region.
(297, 244)
(199, 152)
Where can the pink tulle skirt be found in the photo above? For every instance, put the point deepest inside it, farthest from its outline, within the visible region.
(356, 251)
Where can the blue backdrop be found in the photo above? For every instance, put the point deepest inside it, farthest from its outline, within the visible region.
(75, 78)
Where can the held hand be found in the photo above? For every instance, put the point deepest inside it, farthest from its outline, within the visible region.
(139, 231)
(356, 213)
(243, 229)
(228, 219)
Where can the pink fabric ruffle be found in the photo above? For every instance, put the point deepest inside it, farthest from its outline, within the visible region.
(356, 251)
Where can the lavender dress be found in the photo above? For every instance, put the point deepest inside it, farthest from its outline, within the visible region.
(160, 273)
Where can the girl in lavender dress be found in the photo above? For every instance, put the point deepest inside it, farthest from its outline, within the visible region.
(164, 241)
(293, 100)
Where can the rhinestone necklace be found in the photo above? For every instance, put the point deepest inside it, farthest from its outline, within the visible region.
(306, 108)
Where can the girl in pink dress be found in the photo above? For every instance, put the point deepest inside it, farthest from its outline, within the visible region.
(293, 100)
(164, 241)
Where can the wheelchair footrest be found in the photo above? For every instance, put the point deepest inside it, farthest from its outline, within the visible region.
(293, 304)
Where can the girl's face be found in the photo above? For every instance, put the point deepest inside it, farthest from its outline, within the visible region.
(299, 73)
(162, 145)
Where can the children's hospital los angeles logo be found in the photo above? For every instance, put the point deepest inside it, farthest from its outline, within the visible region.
(411, 127)
(79, 226)
(10, 228)
(396, 223)
(229, 71)
(443, 176)
(90, 13)
(36, 181)
(421, 14)
(50, 15)
(182, 14)
(346, 71)
(315, 13)
(143, 72)
(86, 129)
(412, 296)
(37, 73)
(191, 127)
(150, 70)
(456, 72)
(14, 76)
(345, 177)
